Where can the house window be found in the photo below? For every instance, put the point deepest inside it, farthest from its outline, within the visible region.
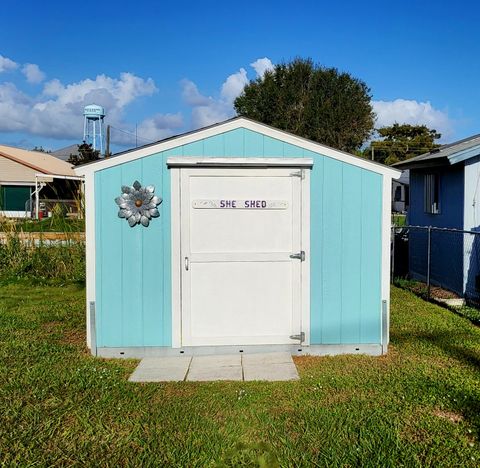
(398, 193)
(432, 193)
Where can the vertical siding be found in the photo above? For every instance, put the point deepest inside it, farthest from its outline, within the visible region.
(350, 254)
(134, 264)
(370, 273)
(447, 249)
(332, 250)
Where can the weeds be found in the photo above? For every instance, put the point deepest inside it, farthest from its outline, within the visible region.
(33, 256)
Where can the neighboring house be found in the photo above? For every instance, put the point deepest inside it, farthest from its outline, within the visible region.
(400, 193)
(65, 153)
(31, 181)
(445, 193)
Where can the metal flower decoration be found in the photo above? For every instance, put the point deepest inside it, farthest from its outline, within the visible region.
(138, 204)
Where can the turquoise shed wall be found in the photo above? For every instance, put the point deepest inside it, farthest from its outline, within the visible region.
(133, 265)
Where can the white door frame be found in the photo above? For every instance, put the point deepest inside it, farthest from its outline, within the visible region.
(300, 168)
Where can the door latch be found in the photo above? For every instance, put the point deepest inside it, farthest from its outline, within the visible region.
(187, 263)
(300, 336)
(300, 174)
(300, 255)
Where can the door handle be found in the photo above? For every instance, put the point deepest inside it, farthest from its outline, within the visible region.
(187, 263)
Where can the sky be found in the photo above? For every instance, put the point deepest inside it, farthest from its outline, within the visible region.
(164, 67)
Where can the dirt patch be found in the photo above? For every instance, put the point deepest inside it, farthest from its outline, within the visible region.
(442, 293)
(53, 326)
(73, 337)
(449, 415)
(436, 292)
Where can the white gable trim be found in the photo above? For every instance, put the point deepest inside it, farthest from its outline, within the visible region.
(234, 124)
(189, 161)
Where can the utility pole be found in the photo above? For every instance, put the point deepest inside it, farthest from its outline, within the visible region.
(107, 150)
(373, 152)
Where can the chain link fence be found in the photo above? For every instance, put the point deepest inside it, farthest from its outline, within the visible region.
(445, 261)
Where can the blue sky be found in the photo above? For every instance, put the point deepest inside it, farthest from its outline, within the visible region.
(168, 67)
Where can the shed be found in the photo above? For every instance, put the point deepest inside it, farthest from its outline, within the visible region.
(264, 240)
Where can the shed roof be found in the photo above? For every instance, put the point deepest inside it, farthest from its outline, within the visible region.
(228, 125)
(445, 155)
(38, 161)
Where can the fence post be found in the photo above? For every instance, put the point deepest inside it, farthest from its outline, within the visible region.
(392, 259)
(429, 249)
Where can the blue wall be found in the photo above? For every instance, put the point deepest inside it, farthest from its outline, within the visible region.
(133, 283)
(446, 247)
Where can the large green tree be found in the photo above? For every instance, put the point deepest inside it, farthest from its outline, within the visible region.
(309, 100)
(86, 153)
(399, 142)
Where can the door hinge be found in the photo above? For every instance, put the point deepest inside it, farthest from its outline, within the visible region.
(300, 255)
(300, 336)
(299, 173)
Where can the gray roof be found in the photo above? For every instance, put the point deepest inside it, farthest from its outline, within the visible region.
(64, 153)
(446, 154)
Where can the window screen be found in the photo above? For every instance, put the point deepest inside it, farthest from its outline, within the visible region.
(14, 197)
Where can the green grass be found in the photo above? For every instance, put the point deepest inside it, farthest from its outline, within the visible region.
(399, 219)
(421, 290)
(53, 224)
(417, 406)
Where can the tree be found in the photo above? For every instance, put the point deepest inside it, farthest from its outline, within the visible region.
(40, 149)
(400, 142)
(314, 102)
(86, 153)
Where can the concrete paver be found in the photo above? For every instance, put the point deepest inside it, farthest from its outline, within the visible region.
(222, 360)
(162, 369)
(266, 358)
(271, 372)
(262, 366)
(208, 374)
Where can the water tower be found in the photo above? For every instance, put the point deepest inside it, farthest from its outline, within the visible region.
(93, 126)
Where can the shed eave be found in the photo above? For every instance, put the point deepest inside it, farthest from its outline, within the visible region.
(233, 124)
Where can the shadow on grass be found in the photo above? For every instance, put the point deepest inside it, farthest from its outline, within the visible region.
(445, 342)
(461, 391)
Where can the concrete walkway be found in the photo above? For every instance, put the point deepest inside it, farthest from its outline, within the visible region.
(247, 367)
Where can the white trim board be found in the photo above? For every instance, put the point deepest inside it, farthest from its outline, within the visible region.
(140, 352)
(189, 161)
(90, 250)
(239, 122)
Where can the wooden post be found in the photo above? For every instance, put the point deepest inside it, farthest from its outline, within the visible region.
(107, 149)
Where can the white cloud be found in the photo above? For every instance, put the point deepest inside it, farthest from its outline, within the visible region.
(33, 73)
(414, 113)
(159, 126)
(207, 110)
(234, 85)
(6, 64)
(58, 111)
(191, 95)
(262, 65)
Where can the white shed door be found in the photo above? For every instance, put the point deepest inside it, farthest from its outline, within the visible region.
(239, 229)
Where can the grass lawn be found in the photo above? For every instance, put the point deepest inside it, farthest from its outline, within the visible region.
(418, 406)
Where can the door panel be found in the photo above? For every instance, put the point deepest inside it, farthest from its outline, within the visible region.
(239, 284)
